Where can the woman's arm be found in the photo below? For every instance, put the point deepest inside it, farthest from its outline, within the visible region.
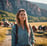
(13, 36)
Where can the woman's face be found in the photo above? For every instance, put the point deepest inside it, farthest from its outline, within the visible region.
(22, 16)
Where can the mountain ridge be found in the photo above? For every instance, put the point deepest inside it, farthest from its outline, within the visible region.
(14, 5)
(32, 9)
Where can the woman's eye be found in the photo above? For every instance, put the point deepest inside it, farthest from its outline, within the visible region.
(21, 15)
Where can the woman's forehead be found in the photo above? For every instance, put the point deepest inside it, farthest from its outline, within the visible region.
(22, 12)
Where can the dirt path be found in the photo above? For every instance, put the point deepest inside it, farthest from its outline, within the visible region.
(7, 41)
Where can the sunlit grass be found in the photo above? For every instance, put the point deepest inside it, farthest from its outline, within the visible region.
(40, 40)
(39, 23)
(3, 31)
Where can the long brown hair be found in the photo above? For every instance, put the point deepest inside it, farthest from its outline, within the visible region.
(25, 22)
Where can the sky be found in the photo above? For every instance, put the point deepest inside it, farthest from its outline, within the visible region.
(39, 1)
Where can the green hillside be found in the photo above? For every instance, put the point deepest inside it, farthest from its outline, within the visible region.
(11, 17)
(37, 19)
(7, 15)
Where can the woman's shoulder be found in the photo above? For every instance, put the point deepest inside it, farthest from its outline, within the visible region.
(13, 26)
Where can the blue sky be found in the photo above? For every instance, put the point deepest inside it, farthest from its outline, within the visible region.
(39, 1)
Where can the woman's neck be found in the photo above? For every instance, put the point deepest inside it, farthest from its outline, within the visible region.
(22, 24)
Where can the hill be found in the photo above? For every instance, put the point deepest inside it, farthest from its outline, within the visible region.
(7, 15)
(41, 5)
(11, 17)
(37, 13)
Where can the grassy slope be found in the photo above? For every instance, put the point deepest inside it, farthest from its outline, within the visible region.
(9, 15)
(30, 18)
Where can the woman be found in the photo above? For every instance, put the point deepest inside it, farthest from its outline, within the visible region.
(25, 32)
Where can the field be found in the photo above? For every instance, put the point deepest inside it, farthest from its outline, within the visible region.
(3, 32)
(39, 41)
(39, 23)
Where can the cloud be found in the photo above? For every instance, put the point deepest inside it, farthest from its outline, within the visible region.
(39, 1)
